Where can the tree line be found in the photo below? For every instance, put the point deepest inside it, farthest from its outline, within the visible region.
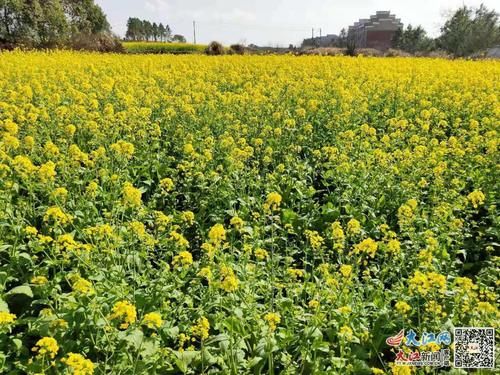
(143, 30)
(467, 32)
(49, 23)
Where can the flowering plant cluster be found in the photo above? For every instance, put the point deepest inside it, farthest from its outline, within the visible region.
(248, 214)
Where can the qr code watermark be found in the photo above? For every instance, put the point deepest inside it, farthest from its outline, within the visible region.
(474, 347)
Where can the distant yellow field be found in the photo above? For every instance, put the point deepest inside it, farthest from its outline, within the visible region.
(162, 47)
(242, 214)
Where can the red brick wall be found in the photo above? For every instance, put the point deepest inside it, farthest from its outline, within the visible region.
(381, 40)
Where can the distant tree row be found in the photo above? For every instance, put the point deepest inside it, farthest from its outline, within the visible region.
(49, 23)
(468, 31)
(143, 30)
(413, 40)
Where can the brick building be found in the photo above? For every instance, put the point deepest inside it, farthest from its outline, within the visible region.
(375, 32)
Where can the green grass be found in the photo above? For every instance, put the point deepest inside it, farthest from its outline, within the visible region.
(162, 47)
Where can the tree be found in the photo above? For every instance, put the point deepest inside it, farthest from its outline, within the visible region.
(85, 16)
(49, 23)
(470, 31)
(412, 39)
(455, 30)
(147, 30)
(179, 38)
(14, 20)
(52, 26)
(161, 31)
(351, 44)
(143, 30)
(485, 29)
(342, 39)
(168, 33)
(155, 31)
(131, 33)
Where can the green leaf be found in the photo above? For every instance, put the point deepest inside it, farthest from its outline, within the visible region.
(18, 344)
(313, 332)
(254, 361)
(149, 348)
(135, 338)
(215, 339)
(25, 256)
(173, 332)
(184, 359)
(20, 290)
(288, 216)
(19, 298)
(360, 352)
(3, 306)
(361, 368)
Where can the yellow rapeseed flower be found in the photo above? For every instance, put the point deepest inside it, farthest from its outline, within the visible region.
(402, 307)
(260, 254)
(47, 172)
(353, 227)
(188, 217)
(82, 286)
(46, 346)
(78, 364)
(201, 329)
(273, 201)
(39, 280)
(56, 214)
(346, 270)
(131, 195)
(123, 148)
(152, 320)
(6, 318)
(237, 222)
(476, 198)
(167, 184)
(124, 312)
(183, 259)
(32, 231)
(314, 238)
(217, 234)
(272, 319)
(368, 246)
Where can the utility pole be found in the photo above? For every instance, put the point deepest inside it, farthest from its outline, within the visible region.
(312, 35)
(194, 32)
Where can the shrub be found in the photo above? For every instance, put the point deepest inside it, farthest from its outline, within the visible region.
(101, 42)
(369, 52)
(350, 47)
(6, 46)
(237, 49)
(438, 54)
(214, 48)
(322, 51)
(396, 53)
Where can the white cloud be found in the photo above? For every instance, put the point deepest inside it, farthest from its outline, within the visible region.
(157, 5)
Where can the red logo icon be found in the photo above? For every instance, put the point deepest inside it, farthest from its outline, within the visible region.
(396, 340)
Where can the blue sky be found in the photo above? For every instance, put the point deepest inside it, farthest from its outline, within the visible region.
(273, 22)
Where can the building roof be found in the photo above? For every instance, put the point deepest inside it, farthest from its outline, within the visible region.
(382, 20)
